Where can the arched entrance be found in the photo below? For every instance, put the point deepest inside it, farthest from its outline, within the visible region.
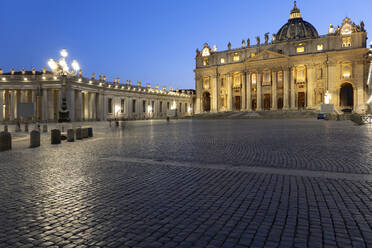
(206, 102)
(347, 96)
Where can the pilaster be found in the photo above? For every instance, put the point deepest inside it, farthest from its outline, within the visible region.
(259, 92)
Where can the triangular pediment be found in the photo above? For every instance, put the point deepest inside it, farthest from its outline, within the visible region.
(266, 54)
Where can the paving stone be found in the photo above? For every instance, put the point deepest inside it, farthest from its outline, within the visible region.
(249, 183)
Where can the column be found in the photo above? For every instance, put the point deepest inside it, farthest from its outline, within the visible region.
(293, 90)
(244, 82)
(259, 92)
(23, 96)
(79, 108)
(94, 106)
(60, 98)
(229, 92)
(274, 105)
(45, 105)
(1, 105)
(310, 84)
(12, 105)
(249, 92)
(198, 95)
(70, 99)
(33, 96)
(128, 109)
(214, 94)
(286, 89)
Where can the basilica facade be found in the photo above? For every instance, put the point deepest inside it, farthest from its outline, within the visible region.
(296, 69)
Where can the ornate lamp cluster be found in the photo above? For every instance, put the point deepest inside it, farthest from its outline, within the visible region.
(60, 67)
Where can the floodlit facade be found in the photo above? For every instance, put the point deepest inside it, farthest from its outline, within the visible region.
(86, 99)
(297, 69)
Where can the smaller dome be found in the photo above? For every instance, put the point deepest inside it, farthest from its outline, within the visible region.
(296, 28)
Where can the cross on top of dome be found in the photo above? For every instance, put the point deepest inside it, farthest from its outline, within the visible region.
(295, 13)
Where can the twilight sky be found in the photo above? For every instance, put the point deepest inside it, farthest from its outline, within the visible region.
(149, 40)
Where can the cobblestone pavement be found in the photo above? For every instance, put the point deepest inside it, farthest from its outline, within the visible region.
(242, 183)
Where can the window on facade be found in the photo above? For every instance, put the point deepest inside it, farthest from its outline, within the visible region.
(134, 106)
(144, 106)
(152, 106)
(254, 78)
(280, 80)
(266, 77)
(346, 42)
(109, 105)
(222, 61)
(346, 71)
(205, 61)
(319, 47)
(122, 106)
(236, 58)
(236, 83)
(167, 105)
(206, 83)
(161, 107)
(300, 49)
(301, 75)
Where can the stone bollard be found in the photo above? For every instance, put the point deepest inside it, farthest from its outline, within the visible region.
(90, 132)
(70, 135)
(79, 135)
(5, 141)
(6, 128)
(45, 128)
(85, 132)
(55, 137)
(26, 127)
(34, 139)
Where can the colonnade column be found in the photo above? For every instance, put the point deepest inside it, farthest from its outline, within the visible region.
(249, 92)
(33, 96)
(93, 100)
(214, 94)
(286, 89)
(23, 96)
(45, 105)
(1, 105)
(12, 105)
(274, 105)
(293, 90)
(71, 103)
(259, 92)
(80, 111)
(229, 92)
(243, 91)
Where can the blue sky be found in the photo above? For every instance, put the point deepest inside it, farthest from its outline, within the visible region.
(149, 40)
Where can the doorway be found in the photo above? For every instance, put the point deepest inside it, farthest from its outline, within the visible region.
(237, 103)
(206, 102)
(347, 95)
(266, 101)
(301, 100)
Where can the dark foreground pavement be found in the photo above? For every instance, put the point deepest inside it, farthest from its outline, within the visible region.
(248, 183)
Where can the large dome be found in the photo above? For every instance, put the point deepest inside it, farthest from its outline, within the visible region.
(296, 28)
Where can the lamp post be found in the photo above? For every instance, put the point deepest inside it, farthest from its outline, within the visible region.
(62, 69)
